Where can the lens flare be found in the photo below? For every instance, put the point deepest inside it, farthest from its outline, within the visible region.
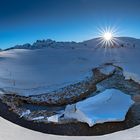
(108, 37)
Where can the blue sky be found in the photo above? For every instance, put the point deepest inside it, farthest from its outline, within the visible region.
(24, 21)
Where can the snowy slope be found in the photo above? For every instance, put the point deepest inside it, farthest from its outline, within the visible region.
(42, 70)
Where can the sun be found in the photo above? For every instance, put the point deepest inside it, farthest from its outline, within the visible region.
(108, 36)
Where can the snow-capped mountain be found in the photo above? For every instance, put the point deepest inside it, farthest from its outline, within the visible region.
(58, 64)
(39, 44)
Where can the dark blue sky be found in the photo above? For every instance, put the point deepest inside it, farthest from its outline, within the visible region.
(23, 21)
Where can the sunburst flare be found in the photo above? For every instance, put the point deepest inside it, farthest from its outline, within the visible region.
(108, 37)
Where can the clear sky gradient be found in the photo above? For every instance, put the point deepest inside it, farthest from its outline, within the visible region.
(24, 21)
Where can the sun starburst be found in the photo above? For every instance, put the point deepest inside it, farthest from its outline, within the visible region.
(108, 37)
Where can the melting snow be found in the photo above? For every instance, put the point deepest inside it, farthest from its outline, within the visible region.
(27, 112)
(38, 118)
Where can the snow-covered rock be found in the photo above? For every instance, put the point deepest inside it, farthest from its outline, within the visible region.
(110, 105)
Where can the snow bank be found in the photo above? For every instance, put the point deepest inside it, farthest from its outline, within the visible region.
(133, 76)
(110, 105)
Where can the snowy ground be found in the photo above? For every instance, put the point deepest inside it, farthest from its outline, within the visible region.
(40, 71)
(10, 131)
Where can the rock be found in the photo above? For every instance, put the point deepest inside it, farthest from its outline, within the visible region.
(136, 98)
(64, 96)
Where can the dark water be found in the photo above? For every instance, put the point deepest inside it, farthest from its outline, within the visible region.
(77, 128)
(33, 107)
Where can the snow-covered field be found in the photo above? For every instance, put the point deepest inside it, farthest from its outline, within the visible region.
(39, 71)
